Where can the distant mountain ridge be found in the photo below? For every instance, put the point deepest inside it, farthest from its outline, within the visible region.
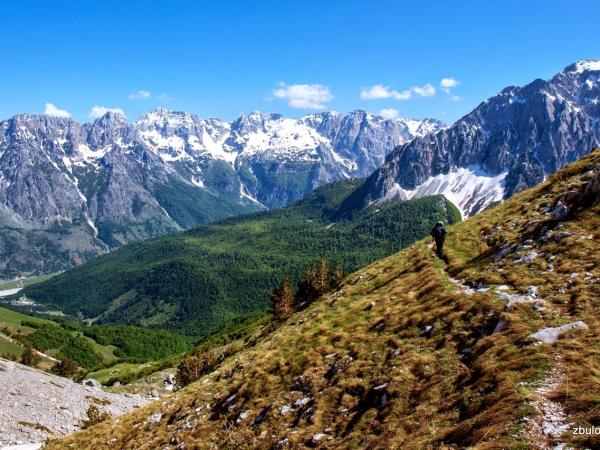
(70, 191)
(509, 142)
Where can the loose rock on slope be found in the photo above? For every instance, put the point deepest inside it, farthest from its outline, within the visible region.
(36, 406)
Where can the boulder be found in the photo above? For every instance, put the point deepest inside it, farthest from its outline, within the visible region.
(504, 251)
(550, 335)
(560, 211)
(562, 235)
(569, 197)
(528, 258)
(318, 437)
(91, 382)
(427, 331)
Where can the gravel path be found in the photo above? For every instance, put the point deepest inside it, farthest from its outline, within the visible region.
(36, 406)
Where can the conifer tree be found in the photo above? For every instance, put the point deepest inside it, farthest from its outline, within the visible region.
(283, 299)
(338, 276)
(307, 289)
(323, 277)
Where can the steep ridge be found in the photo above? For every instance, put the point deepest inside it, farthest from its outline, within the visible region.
(511, 141)
(499, 349)
(200, 281)
(70, 191)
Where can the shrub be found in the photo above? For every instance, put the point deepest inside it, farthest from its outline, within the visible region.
(95, 416)
(66, 368)
(30, 357)
(191, 368)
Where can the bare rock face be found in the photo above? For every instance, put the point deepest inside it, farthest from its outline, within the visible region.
(69, 192)
(520, 136)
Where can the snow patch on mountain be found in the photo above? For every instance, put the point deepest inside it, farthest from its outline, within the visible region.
(591, 65)
(470, 189)
(281, 137)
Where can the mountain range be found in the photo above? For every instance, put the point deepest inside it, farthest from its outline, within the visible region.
(69, 192)
(511, 141)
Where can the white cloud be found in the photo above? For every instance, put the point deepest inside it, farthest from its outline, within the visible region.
(304, 96)
(381, 91)
(99, 111)
(389, 113)
(140, 95)
(424, 91)
(455, 98)
(52, 110)
(447, 84)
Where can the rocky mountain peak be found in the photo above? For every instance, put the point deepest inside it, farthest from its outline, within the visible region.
(511, 141)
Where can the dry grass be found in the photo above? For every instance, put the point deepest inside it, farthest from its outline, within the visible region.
(361, 368)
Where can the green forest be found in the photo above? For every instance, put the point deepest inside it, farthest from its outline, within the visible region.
(83, 344)
(208, 279)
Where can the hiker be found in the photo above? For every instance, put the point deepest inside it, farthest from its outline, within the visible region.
(438, 233)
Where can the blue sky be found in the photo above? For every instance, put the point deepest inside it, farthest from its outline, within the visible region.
(225, 58)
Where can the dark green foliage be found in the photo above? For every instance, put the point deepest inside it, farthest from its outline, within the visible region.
(69, 345)
(201, 281)
(139, 344)
(30, 323)
(66, 368)
(133, 344)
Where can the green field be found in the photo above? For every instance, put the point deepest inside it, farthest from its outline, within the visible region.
(128, 372)
(9, 348)
(25, 282)
(15, 319)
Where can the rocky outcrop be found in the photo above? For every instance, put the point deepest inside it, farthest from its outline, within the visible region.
(516, 138)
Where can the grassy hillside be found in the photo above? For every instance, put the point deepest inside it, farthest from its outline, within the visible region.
(412, 353)
(214, 276)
